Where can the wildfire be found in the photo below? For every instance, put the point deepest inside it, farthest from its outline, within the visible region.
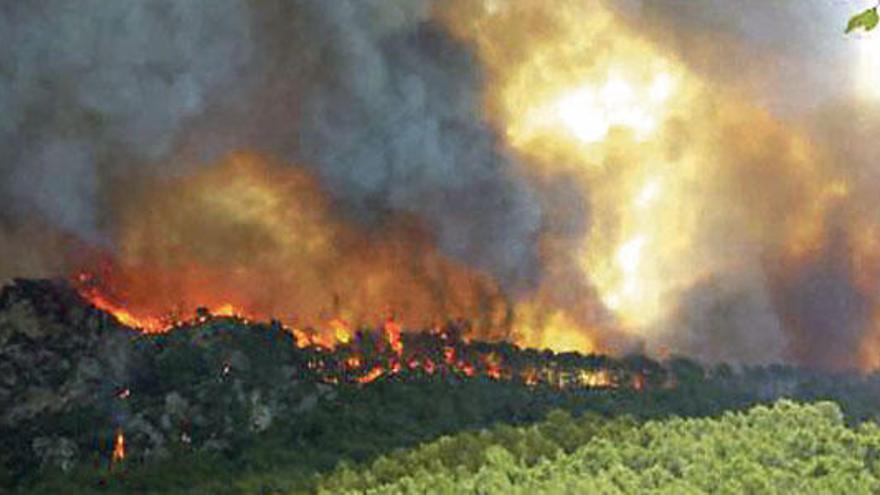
(685, 178)
(430, 354)
(366, 355)
(682, 180)
(255, 239)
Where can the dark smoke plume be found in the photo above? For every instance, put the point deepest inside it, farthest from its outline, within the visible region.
(373, 95)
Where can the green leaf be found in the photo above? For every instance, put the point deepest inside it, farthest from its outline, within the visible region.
(867, 19)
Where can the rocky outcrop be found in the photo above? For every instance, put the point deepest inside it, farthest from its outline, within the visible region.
(56, 352)
(71, 376)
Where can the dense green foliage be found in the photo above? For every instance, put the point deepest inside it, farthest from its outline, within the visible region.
(470, 451)
(786, 448)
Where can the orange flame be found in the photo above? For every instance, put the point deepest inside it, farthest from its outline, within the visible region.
(372, 375)
(392, 334)
(253, 239)
(257, 239)
(119, 446)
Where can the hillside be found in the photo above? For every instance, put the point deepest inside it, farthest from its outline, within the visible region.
(224, 405)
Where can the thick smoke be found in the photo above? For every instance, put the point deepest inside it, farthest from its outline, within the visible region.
(724, 321)
(372, 95)
(392, 123)
(828, 310)
(88, 89)
(385, 107)
(792, 58)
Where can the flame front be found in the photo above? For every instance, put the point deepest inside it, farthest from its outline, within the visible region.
(258, 239)
(701, 209)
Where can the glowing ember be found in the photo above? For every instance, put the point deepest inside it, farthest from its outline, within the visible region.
(392, 334)
(372, 375)
(638, 382)
(449, 355)
(429, 366)
(596, 379)
(341, 330)
(119, 446)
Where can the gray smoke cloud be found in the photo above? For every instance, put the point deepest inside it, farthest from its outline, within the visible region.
(393, 123)
(372, 95)
(724, 321)
(828, 311)
(101, 84)
(791, 55)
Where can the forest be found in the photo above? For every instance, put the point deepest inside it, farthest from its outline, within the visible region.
(222, 405)
(784, 448)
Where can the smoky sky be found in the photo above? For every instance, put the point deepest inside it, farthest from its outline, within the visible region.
(372, 96)
(81, 83)
(793, 59)
(792, 56)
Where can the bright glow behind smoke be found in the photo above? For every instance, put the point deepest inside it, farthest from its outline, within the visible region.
(689, 182)
(590, 98)
(590, 112)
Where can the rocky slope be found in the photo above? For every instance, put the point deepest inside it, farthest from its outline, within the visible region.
(71, 376)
